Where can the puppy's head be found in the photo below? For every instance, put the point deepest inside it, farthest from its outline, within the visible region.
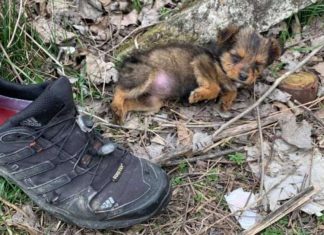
(244, 53)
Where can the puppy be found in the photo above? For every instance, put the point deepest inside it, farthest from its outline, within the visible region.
(195, 73)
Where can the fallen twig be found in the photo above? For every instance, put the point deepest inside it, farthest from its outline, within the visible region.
(301, 41)
(262, 159)
(249, 126)
(285, 209)
(202, 158)
(137, 30)
(174, 154)
(308, 111)
(234, 131)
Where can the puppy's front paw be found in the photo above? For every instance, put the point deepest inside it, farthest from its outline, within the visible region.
(118, 113)
(194, 97)
(227, 101)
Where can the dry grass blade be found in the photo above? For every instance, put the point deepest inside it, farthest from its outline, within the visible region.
(42, 48)
(308, 111)
(204, 157)
(12, 206)
(13, 66)
(21, 4)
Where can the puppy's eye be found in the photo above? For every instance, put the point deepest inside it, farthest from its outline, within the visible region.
(236, 58)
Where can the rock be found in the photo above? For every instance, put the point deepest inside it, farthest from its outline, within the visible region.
(201, 21)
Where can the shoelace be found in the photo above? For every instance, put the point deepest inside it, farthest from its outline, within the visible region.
(92, 137)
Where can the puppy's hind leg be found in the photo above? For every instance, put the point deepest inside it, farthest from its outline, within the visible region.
(117, 105)
(150, 104)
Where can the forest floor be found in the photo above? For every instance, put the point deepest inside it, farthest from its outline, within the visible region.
(264, 159)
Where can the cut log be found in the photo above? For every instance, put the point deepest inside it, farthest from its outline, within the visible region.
(302, 86)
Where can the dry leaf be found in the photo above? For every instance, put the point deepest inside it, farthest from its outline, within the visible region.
(83, 29)
(130, 19)
(154, 150)
(29, 223)
(297, 134)
(49, 31)
(99, 33)
(100, 30)
(184, 134)
(119, 19)
(158, 140)
(148, 152)
(320, 68)
(57, 6)
(116, 19)
(276, 95)
(149, 16)
(240, 199)
(150, 12)
(41, 6)
(123, 6)
(200, 140)
(321, 141)
(287, 170)
(278, 28)
(99, 71)
(105, 2)
(133, 123)
(291, 59)
(320, 113)
(317, 40)
(90, 9)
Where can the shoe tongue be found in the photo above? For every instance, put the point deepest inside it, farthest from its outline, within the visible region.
(56, 98)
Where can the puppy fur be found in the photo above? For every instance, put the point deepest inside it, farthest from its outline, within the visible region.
(186, 71)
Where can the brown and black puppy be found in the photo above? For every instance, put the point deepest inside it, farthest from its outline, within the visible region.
(176, 71)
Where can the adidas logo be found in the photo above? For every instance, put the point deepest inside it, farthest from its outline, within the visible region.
(108, 203)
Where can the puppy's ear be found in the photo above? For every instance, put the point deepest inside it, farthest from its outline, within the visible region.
(275, 50)
(227, 35)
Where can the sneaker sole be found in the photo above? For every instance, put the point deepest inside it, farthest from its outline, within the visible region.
(90, 223)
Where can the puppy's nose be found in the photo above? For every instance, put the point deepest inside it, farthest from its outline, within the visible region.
(243, 76)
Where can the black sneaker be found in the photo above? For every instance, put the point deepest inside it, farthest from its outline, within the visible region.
(54, 156)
